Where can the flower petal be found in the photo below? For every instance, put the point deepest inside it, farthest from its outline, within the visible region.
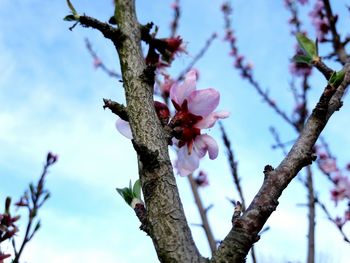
(186, 163)
(180, 91)
(205, 143)
(203, 102)
(210, 120)
(124, 128)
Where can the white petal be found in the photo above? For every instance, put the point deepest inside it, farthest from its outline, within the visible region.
(211, 119)
(186, 163)
(124, 128)
(205, 143)
(203, 102)
(180, 91)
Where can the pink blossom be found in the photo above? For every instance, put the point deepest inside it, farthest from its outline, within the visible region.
(347, 215)
(173, 46)
(165, 86)
(328, 165)
(339, 222)
(319, 20)
(202, 179)
(175, 5)
(341, 189)
(194, 111)
(97, 62)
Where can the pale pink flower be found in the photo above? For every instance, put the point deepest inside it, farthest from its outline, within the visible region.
(194, 111)
(347, 215)
(329, 165)
(341, 189)
(166, 85)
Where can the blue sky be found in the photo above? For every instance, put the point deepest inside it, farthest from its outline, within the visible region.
(51, 100)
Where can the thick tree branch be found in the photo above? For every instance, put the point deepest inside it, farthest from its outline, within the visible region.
(245, 229)
(167, 223)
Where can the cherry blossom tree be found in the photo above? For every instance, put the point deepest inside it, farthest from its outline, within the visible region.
(180, 122)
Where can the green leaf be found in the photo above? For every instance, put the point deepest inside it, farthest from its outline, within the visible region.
(121, 191)
(137, 189)
(307, 45)
(128, 197)
(302, 59)
(126, 193)
(337, 78)
(71, 7)
(70, 18)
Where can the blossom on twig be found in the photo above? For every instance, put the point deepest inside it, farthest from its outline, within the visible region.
(194, 112)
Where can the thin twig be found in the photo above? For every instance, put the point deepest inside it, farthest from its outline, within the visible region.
(203, 214)
(174, 25)
(197, 57)
(98, 63)
(338, 46)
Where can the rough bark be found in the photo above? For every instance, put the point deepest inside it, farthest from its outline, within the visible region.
(166, 220)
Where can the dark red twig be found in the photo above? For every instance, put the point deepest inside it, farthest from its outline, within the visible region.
(174, 25)
(33, 199)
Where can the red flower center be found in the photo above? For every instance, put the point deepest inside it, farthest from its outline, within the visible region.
(183, 124)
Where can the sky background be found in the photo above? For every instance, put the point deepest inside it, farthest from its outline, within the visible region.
(51, 100)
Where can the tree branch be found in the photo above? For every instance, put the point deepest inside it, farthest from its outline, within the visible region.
(338, 46)
(245, 229)
(168, 228)
(107, 30)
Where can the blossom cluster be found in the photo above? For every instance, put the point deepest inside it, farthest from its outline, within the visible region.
(194, 112)
(7, 226)
(162, 51)
(340, 221)
(320, 20)
(239, 60)
(339, 177)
